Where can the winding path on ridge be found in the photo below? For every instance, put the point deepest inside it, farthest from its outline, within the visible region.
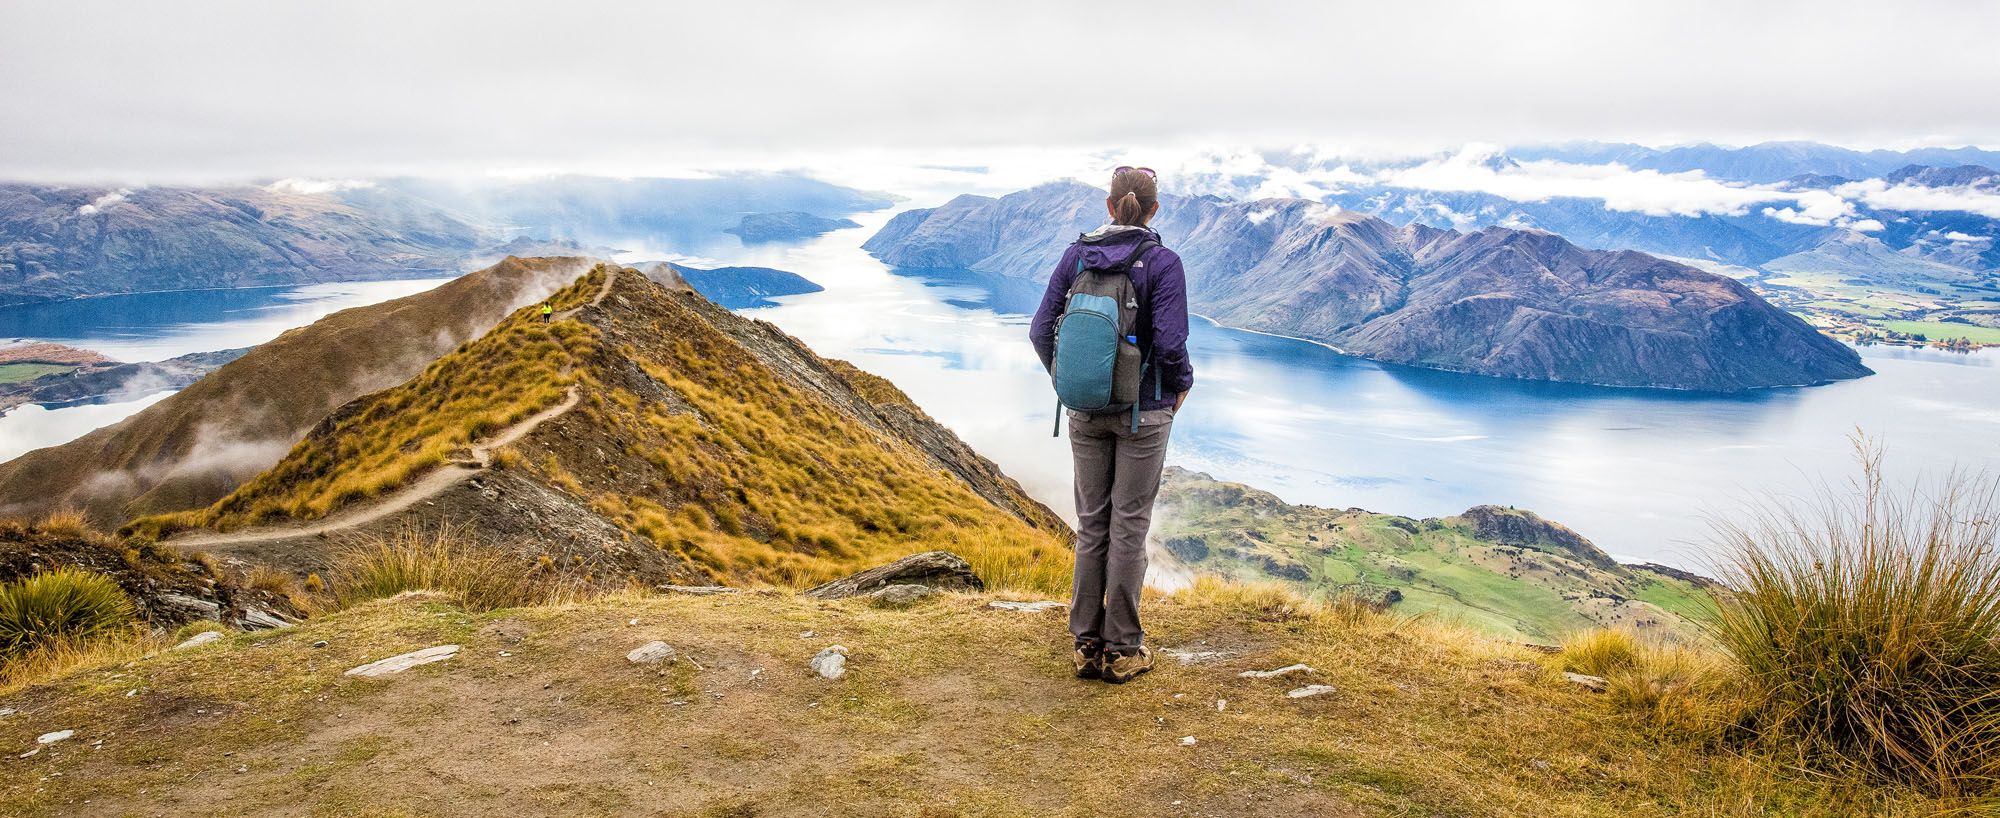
(431, 484)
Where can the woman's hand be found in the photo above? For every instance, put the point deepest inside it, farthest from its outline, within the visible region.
(1180, 399)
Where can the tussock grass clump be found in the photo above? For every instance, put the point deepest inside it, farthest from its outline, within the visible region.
(1682, 688)
(1268, 601)
(1868, 626)
(67, 522)
(63, 657)
(64, 604)
(1602, 652)
(483, 579)
(1011, 560)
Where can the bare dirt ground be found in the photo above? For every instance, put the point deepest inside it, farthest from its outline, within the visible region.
(948, 708)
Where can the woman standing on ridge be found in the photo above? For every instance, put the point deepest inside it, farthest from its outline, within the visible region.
(1119, 413)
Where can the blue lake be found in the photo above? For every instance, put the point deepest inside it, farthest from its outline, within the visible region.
(1636, 471)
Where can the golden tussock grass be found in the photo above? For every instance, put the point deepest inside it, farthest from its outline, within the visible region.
(482, 578)
(1866, 625)
(502, 378)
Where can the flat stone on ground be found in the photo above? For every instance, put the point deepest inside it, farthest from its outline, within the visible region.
(651, 653)
(1273, 674)
(1309, 691)
(398, 664)
(199, 639)
(898, 595)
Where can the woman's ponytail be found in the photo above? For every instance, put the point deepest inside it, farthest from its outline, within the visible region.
(1134, 193)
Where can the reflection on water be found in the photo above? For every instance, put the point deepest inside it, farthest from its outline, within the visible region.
(25, 428)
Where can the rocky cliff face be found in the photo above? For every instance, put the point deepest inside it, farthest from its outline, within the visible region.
(1511, 303)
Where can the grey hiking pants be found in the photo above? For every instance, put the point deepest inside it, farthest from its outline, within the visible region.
(1117, 477)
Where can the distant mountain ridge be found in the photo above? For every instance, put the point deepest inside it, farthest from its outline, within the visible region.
(65, 242)
(59, 242)
(1498, 301)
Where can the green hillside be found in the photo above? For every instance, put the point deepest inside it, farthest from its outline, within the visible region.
(1504, 571)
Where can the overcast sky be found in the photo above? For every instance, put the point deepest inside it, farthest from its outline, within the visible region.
(172, 91)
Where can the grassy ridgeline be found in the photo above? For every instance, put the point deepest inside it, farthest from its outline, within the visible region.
(393, 436)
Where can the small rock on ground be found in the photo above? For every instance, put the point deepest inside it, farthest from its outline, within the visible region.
(651, 653)
(398, 664)
(51, 738)
(1595, 684)
(200, 608)
(199, 639)
(1027, 607)
(898, 595)
(1273, 674)
(257, 619)
(1197, 657)
(1309, 691)
(830, 663)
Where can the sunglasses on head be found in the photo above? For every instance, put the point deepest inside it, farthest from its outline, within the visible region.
(1122, 168)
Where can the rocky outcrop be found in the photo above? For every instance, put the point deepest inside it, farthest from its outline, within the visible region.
(1511, 303)
(1526, 529)
(167, 589)
(936, 570)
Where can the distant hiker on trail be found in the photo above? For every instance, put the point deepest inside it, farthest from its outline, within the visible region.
(547, 311)
(1112, 331)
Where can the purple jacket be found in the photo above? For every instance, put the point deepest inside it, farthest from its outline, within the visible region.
(1162, 288)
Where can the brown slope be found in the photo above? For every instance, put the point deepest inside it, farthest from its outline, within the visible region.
(196, 446)
(700, 446)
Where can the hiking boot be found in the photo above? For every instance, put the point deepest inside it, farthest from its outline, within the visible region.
(1089, 662)
(1120, 668)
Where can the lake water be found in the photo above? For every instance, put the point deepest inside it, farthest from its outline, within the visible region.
(1635, 471)
(157, 326)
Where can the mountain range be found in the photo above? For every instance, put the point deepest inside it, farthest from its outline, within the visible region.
(1496, 301)
(60, 242)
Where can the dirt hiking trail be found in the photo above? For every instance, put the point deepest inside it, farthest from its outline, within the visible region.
(430, 485)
